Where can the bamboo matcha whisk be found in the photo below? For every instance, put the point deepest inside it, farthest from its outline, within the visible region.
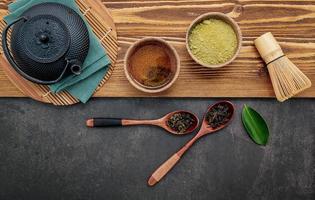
(287, 79)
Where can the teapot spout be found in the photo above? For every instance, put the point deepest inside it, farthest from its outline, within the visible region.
(75, 66)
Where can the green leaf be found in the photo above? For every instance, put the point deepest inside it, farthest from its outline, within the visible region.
(255, 125)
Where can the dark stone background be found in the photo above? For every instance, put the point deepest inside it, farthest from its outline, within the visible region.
(46, 152)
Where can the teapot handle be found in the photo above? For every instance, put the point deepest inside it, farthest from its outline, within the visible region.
(74, 65)
(5, 47)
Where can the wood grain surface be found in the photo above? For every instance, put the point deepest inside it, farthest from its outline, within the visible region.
(292, 22)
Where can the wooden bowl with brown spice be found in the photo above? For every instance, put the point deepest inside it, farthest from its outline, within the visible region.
(152, 65)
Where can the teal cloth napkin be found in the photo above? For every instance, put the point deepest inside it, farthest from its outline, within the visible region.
(95, 65)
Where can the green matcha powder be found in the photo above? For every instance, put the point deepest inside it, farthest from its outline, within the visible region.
(213, 42)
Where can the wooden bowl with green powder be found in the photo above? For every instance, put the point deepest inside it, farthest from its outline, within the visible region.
(214, 40)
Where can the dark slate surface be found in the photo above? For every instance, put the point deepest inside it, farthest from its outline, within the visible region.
(46, 152)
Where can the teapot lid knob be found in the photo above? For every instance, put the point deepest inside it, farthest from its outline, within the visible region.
(44, 38)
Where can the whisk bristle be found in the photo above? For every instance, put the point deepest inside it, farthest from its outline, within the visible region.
(287, 79)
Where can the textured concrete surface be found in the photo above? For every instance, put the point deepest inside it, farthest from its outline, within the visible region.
(47, 153)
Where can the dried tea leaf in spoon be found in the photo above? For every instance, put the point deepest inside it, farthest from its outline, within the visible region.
(181, 122)
(218, 115)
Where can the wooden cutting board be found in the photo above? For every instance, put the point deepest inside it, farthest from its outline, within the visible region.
(292, 22)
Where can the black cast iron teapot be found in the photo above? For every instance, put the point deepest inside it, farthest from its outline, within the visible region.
(48, 42)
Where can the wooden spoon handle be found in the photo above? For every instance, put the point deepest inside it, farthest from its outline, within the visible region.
(163, 169)
(171, 162)
(129, 122)
(104, 122)
(110, 122)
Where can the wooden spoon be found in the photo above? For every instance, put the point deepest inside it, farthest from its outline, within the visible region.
(162, 122)
(204, 130)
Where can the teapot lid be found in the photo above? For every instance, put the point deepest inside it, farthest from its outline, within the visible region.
(44, 38)
(46, 42)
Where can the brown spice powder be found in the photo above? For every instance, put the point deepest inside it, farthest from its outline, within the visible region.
(150, 65)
